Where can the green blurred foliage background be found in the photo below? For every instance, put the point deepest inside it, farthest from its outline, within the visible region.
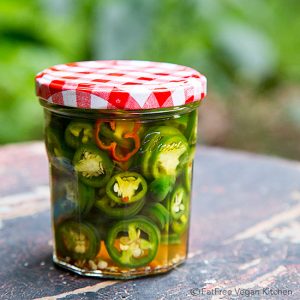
(249, 51)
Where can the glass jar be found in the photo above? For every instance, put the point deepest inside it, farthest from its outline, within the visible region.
(120, 178)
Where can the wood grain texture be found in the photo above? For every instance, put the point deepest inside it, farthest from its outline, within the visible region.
(245, 233)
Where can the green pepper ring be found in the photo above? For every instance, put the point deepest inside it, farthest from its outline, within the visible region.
(171, 203)
(154, 163)
(125, 211)
(61, 237)
(151, 140)
(74, 141)
(141, 193)
(94, 181)
(143, 224)
(107, 132)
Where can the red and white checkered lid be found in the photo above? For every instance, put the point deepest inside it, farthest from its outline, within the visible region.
(120, 84)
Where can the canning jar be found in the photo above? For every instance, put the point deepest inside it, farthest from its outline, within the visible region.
(120, 138)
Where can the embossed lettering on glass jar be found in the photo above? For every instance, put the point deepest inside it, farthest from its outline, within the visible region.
(120, 138)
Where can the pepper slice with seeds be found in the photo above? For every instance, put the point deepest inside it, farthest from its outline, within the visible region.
(168, 156)
(164, 150)
(133, 243)
(79, 133)
(126, 187)
(78, 240)
(178, 202)
(151, 141)
(93, 166)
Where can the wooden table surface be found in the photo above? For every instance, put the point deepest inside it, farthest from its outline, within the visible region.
(244, 239)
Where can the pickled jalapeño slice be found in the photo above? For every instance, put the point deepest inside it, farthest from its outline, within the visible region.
(93, 166)
(126, 187)
(78, 133)
(78, 240)
(133, 243)
(169, 155)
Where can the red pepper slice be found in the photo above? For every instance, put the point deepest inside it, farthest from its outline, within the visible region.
(119, 151)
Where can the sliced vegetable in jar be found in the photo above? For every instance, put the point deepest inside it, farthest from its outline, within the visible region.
(133, 243)
(79, 133)
(113, 210)
(150, 142)
(164, 148)
(121, 138)
(126, 187)
(178, 203)
(167, 158)
(78, 240)
(93, 166)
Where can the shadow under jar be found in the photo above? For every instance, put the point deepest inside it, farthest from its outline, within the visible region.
(120, 138)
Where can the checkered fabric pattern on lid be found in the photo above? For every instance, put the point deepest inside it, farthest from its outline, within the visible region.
(127, 85)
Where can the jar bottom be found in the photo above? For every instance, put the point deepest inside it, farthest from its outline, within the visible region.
(119, 273)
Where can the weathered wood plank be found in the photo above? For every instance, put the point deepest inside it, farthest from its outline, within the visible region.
(245, 233)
